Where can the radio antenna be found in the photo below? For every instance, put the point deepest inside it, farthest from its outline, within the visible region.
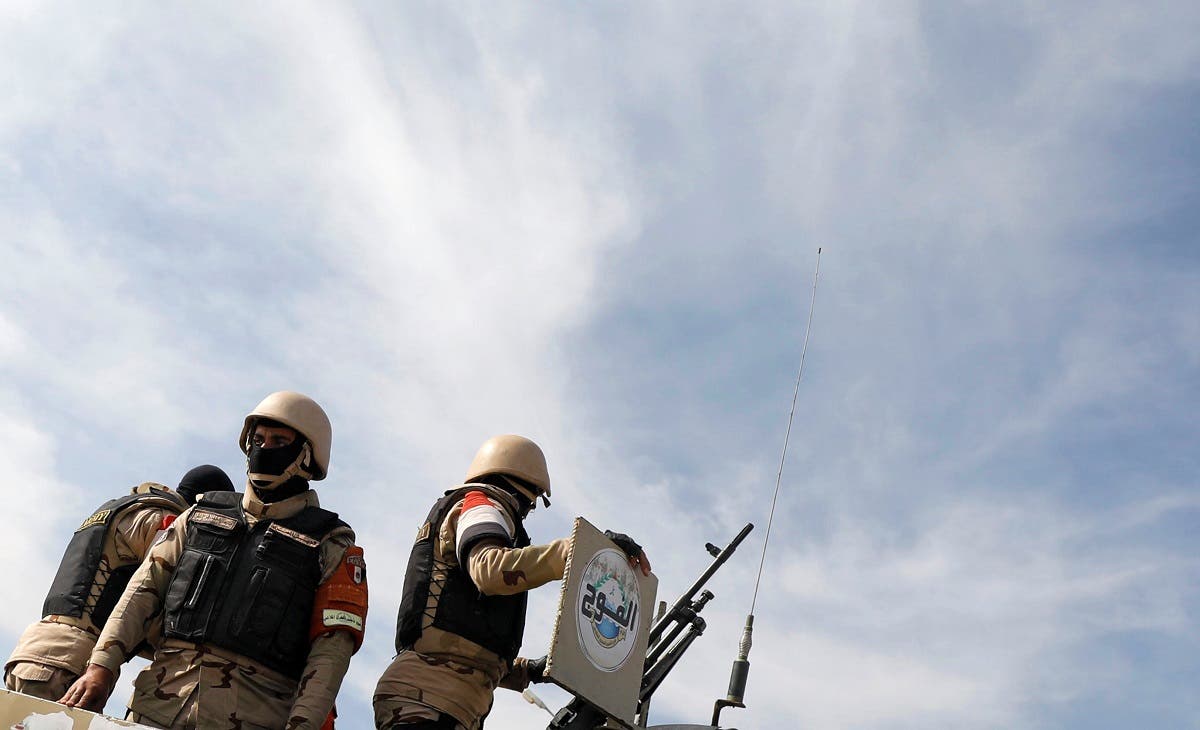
(741, 665)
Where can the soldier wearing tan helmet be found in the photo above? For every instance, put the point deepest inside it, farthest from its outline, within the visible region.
(263, 596)
(95, 568)
(462, 613)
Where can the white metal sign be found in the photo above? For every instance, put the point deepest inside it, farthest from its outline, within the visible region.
(599, 642)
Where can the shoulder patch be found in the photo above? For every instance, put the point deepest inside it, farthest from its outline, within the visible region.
(98, 518)
(476, 499)
(299, 537)
(341, 601)
(331, 617)
(423, 533)
(211, 518)
(357, 567)
(481, 518)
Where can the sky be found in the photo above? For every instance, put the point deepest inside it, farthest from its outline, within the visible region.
(597, 225)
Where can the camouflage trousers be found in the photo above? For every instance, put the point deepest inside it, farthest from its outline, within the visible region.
(188, 720)
(134, 717)
(401, 713)
(38, 680)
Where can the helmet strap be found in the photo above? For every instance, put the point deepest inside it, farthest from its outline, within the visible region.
(520, 488)
(300, 467)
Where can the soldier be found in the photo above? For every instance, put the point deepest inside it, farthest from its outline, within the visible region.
(201, 479)
(463, 609)
(263, 596)
(97, 565)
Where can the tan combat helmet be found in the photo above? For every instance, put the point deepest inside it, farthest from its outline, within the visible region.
(514, 456)
(297, 411)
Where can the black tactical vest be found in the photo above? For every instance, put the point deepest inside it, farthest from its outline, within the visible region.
(73, 591)
(248, 589)
(494, 622)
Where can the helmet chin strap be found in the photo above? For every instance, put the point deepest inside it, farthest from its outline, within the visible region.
(298, 468)
(530, 494)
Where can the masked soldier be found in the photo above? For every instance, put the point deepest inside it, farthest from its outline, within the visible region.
(201, 479)
(97, 565)
(463, 609)
(263, 595)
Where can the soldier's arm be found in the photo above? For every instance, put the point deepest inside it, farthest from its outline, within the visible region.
(328, 660)
(500, 571)
(137, 529)
(135, 535)
(338, 621)
(483, 533)
(141, 603)
(127, 626)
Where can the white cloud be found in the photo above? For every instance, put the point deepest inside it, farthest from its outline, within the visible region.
(419, 215)
(955, 624)
(30, 531)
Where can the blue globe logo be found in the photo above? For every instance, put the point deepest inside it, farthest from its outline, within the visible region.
(608, 619)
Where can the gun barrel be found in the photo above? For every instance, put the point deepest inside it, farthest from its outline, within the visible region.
(686, 598)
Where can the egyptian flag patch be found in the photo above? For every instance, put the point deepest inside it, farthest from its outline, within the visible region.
(481, 517)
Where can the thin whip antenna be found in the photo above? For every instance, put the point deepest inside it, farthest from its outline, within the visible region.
(787, 436)
(735, 697)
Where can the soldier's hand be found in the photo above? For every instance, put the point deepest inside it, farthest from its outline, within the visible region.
(536, 669)
(637, 556)
(91, 690)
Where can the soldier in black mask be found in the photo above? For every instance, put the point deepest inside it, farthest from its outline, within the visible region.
(96, 566)
(201, 479)
(263, 595)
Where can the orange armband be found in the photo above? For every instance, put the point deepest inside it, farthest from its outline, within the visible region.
(341, 601)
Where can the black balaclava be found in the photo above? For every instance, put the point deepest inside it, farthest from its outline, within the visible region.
(261, 461)
(201, 479)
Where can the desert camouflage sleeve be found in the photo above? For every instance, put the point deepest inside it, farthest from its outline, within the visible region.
(329, 656)
(502, 571)
(141, 603)
(136, 531)
(328, 660)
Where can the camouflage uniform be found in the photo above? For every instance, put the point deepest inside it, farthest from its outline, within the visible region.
(192, 685)
(53, 652)
(444, 672)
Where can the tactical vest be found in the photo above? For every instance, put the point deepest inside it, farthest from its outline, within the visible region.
(248, 589)
(74, 591)
(494, 622)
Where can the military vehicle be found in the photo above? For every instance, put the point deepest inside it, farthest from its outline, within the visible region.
(22, 712)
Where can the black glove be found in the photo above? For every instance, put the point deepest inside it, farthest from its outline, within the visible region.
(536, 669)
(625, 542)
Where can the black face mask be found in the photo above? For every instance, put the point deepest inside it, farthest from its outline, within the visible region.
(261, 460)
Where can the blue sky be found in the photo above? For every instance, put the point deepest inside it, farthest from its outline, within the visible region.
(596, 225)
